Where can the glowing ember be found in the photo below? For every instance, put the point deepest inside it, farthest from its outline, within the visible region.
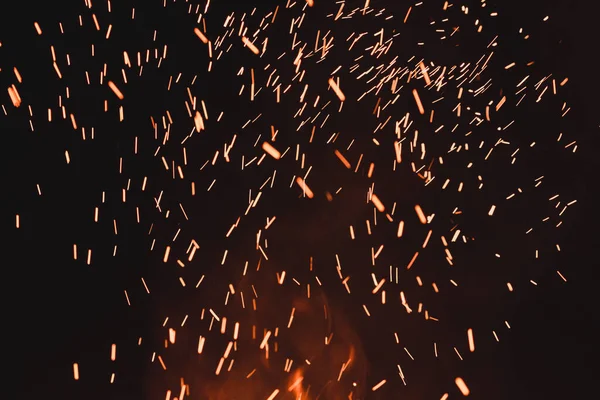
(313, 180)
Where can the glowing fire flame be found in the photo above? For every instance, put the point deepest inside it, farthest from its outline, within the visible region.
(317, 357)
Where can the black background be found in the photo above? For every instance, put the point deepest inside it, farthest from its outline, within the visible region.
(56, 311)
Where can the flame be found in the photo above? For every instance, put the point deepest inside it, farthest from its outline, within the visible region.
(318, 356)
(296, 387)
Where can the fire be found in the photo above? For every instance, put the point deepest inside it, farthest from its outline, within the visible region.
(260, 352)
(296, 386)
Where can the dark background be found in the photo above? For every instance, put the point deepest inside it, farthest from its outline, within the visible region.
(57, 310)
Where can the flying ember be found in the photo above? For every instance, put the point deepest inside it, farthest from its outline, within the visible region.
(306, 199)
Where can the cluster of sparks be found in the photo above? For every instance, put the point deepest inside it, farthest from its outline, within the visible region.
(322, 102)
